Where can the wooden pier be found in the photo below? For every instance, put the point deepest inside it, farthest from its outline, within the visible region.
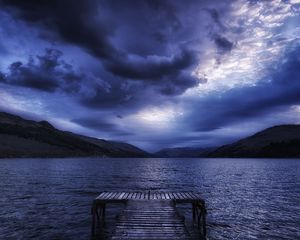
(150, 215)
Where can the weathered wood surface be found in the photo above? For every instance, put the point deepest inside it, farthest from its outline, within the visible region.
(150, 215)
(150, 220)
(119, 196)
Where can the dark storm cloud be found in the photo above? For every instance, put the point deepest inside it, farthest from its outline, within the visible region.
(138, 94)
(216, 17)
(73, 22)
(152, 68)
(2, 77)
(116, 96)
(278, 91)
(96, 124)
(141, 58)
(102, 125)
(178, 83)
(46, 72)
(146, 27)
(217, 31)
(223, 44)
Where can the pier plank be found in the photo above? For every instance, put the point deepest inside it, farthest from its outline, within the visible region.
(109, 195)
(126, 195)
(150, 220)
(121, 196)
(189, 196)
(130, 195)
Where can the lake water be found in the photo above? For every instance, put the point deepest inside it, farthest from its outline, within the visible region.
(246, 198)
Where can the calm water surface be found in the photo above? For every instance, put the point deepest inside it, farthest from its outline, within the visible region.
(246, 198)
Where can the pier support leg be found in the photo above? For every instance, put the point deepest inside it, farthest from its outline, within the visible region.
(103, 211)
(204, 221)
(199, 220)
(194, 212)
(94, 219)
(98, 216)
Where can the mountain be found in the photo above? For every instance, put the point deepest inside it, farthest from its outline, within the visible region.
(188, 152)
(116, 148)
(26, 138)
(278, 141)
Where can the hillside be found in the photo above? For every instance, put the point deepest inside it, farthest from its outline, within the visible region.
(278, 141)
(116, 149)
(26, 138)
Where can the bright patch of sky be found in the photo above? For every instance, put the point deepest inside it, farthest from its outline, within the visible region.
(258, 43)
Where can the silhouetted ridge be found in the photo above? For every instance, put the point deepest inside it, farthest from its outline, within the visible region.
(277, 141)
(26, 138)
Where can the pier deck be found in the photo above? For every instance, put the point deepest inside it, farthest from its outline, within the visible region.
(150, 220)
(150, 215)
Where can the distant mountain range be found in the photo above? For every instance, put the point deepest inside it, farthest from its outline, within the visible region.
(275, 142)
(278, 141)
(188, 152)
(26, 138)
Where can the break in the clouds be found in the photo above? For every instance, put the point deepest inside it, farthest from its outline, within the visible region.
(152, 73)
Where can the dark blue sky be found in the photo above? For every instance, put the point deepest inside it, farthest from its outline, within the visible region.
(152, 73)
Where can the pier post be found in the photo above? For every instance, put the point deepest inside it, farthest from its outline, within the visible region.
(194, 212)
(103, 211)
(204, 219)
(94, 218)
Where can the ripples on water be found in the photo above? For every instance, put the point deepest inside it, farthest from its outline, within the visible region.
(246, 198)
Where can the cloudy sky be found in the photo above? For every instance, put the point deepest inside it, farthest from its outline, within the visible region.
(152, 73)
